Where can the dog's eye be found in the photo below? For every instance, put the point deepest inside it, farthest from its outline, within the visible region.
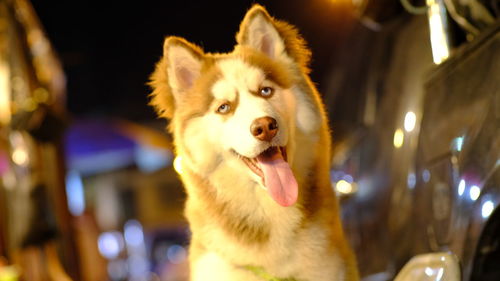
(266, 91)
(223, 108)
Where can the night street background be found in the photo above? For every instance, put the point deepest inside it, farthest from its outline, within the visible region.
(109, 48)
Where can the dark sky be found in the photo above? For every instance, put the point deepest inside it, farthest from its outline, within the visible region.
(109, 48)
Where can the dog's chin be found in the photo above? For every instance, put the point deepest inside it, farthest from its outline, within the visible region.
(253, 164)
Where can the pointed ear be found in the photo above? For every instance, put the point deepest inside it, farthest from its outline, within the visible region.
(175, 74)
(257, 30)
(183, 63)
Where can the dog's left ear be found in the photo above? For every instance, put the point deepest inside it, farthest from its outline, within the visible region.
(257, 30)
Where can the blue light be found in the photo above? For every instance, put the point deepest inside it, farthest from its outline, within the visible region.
(138, 267)
(461, 187)
(75, 193)
(348, 178)
(176, 254)
(138, 263)
(336, 175)
(150, 159)
(134, 235)
(411, 181)
(474, 192)
(426, 175)
(110, 244)
(458, 143)
(487, 209)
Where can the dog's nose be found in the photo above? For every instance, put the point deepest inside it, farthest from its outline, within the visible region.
(264, 128)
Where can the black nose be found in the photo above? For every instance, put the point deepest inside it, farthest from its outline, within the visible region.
(264, 128)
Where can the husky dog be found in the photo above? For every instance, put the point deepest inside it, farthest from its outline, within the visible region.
(255, 146)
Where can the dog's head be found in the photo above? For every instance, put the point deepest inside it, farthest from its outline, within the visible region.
(245, 116)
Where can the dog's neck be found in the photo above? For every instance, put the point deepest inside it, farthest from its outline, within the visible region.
(250, 219)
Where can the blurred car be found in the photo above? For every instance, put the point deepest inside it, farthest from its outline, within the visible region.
(457, 191)
(417, 149)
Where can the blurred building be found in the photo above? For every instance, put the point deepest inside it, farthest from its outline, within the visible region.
(85, 199)
(35, 229)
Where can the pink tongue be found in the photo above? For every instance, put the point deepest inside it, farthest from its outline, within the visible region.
(279, 179)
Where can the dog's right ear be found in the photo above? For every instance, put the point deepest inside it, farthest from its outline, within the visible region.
(257, 30)
(273, 37)
(175, 74)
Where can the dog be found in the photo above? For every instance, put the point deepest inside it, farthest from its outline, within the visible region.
(254, 140)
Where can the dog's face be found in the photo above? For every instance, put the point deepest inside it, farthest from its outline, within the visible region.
(238, 117)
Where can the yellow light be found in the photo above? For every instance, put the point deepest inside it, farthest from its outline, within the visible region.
(439, 42)
(410, 121)
(4, 94)
(29, 104)
(41, 95)
(344, 187)
(20, 157)
(398, 138)
(178, 164)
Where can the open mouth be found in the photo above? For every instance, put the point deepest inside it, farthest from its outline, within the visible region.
(269, 153)
(271, 165)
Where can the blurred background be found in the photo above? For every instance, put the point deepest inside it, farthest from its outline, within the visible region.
(89, 189)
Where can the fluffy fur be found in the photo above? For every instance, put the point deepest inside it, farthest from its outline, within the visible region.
(211, 101)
